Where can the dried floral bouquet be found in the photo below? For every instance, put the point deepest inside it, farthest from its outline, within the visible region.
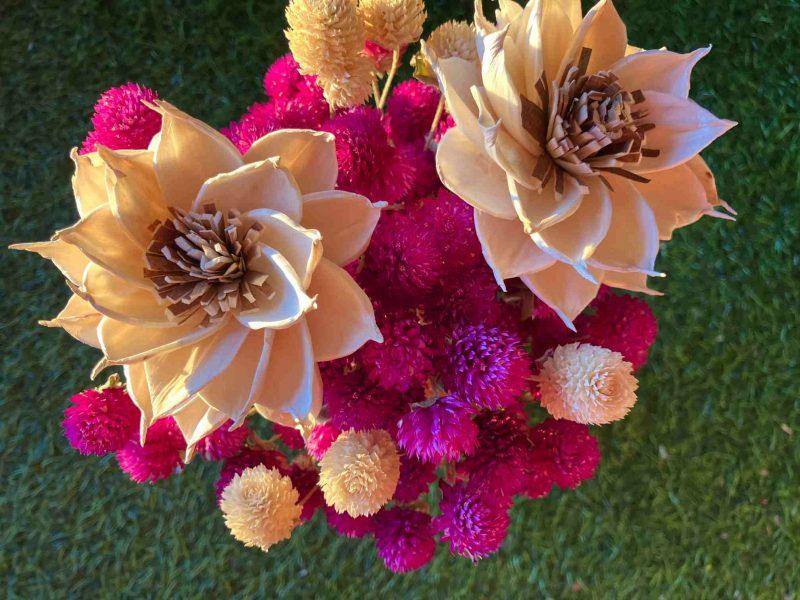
(401, 278)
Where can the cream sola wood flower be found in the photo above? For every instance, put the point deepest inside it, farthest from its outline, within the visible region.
(215, 279)
(578, 152)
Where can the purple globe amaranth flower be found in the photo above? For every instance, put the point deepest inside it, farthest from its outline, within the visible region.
(404, 539)
(474, 522)
(436, 430)
(100, 421)
(415, 478)
(486, 365)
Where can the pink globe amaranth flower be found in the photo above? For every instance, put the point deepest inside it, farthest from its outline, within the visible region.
(447, 122)
(100, 421)
(503, 456)
(283, 78)
(404, 539)
(410, 111)
(404, 359)
(381, 56)
(305, 480)
(415, 478)
(289, 436)
(368, 163)
(403, 259)
(420, 165)
(538, 481)
(321, 438)
(347, 526)
(472, 297)
(252, 126)
(223, 442)
(487, 366)
(570, 452)
(160, 457)
(248, 457)
(353, 402)
(441, 431)
(474, 522)
(621, 323)
(121, 120)
(453, 221)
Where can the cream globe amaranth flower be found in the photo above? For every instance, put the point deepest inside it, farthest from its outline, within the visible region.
(359, 472)
(261, 507)
(577, 151)
(215, 279)
(587, 384)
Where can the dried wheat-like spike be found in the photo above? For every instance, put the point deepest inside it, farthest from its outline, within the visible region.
(393, 23)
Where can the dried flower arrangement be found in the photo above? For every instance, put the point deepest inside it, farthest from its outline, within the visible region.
(401, 278)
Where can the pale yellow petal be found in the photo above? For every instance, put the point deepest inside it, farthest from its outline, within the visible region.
(508, 250)
(504, 103)
(517, 162)
(677, 198)
(292, 383)
(345, 220)
(539, 209)
(310, 156)
(123, 343)
(704, 175)
(235, 391)
(188, 153)
(300, 246)
(135, 196)
(682, 129)
(658, 70)
(196, 420)
(260, 184)
(633, 282)
(575, 239)
(604, 33)
(136, 386)
(564, 290)
(556, 31)
(287, 300)
(88, 182)
(631, 243)
(456, 77)
(66, 257)
(121, 300)
(470, 174)
(344, 319)
(174, 377)
(79, 319)
(100, 237)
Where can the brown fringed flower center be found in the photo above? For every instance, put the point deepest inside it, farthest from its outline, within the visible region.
(198, 261)
(593, 126)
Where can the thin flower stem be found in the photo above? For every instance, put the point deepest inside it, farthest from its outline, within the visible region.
(307, 496)
(376, 92)
(436, 118)
(392, 72)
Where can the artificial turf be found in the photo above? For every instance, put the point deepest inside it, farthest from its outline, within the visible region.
(697, 494)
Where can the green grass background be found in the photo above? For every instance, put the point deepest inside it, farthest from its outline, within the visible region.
(697, 494)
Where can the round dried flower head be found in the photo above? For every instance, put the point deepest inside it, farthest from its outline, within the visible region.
(327, 39)
(587, 384)
(359, 472)
(261, 507)
(454, 38)
(393, 23)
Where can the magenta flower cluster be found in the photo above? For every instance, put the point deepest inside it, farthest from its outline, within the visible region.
(453, 381)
